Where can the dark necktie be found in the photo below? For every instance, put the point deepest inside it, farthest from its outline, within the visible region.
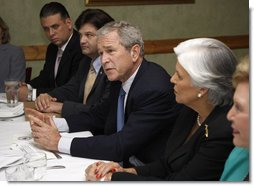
(120, 110)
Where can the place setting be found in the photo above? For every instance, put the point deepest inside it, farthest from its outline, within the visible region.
(10, 107)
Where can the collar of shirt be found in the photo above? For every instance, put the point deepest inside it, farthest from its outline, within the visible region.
(64, 46)
(127, 84)
(97, 64)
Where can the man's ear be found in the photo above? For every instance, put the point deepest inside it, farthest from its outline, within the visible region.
(69, 23)
(135, 52)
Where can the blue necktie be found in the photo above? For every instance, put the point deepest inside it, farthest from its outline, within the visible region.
(120, 110)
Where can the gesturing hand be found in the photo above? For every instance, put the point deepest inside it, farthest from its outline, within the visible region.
(44, 131)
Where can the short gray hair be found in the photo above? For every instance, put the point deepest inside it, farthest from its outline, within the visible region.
(129, 35)
(210, 64)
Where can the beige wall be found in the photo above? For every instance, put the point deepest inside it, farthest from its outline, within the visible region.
(202, 19)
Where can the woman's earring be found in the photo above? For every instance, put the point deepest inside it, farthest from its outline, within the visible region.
(199, 95)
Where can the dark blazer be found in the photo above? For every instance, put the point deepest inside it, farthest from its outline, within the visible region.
(150, 113)
(71, 57)
(200, 158)
(72, 93)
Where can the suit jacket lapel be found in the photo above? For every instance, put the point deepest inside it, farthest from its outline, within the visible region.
(67, 51)
(179, 149)
(111, 126)
(82, 85)
(97, 80)
(64, 58)
(181, 131)
(52, 65)
(142, 68)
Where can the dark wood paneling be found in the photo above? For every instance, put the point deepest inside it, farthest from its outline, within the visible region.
(167, 45)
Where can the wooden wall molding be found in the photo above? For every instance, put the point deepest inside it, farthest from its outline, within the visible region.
(37, 52)
(133, 2)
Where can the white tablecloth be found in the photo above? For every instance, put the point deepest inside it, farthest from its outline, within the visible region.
(75, 167)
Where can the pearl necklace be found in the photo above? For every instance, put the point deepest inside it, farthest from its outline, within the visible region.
(198, 121)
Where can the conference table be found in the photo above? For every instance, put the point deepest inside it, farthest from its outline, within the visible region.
(14, 130)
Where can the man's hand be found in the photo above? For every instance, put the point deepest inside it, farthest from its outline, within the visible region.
(35, 113)
(45, 133)
(23, 92)
(43, 101)
(54, 107)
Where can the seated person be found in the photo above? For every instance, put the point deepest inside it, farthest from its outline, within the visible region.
(63, 53)
(202, 137)
(130, 126)
(237, 164)
(12, 59)
(83, 87)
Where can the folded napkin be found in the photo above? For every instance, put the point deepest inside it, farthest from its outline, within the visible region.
(6, 161)
(10, 157)
(28, 146)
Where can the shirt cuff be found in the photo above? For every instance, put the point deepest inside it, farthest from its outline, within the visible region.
(61, 124)
(64, 145)
(31, 94)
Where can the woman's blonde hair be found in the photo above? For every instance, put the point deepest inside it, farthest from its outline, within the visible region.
(242, 71)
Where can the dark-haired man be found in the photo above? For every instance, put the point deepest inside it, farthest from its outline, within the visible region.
(90, 83)
(63, 53)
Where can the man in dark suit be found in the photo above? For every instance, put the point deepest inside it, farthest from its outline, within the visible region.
(135, 120)
(72, 93)
(63, 53)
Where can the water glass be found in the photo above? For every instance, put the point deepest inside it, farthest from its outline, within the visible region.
(36, 162)
(18, 173)
(12, 90)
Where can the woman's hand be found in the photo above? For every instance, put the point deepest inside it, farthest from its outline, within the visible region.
(102, 171)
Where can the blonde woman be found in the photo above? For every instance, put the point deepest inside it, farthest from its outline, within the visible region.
(237, 164)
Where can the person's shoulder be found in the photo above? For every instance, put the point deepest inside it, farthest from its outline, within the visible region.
(52, 46)
(75, 36)
(154, 72)
(154, 67)
(74, 44)
(11, 48)
(219, 122)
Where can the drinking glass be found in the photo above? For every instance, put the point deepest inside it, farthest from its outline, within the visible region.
(36, 162)
(11, 89)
